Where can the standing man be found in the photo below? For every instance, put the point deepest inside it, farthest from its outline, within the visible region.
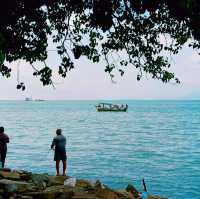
(58, 144)
(4, 139)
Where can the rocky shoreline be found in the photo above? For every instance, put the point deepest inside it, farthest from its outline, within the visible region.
(27, 185)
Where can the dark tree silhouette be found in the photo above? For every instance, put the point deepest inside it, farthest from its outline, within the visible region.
(120, 32)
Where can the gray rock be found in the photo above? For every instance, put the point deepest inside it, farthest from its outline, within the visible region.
(24, 175)
(56, 180)
(11, 186)
(40, 180)
(131, 189)
(5, 169)
(26, 197)
(53, 194)
(10, 175)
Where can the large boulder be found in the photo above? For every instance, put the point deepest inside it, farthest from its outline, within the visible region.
(123, 194)
(5, 169)
(133, 191)
(10, 175)
(104, 192)
(156, 197)
(40, 180)
(53, 192)
(57, 188)
(85, 184)
(51, 195)
(64, 188)
(82, 195)
(56, 180)
(26, 197)
(24, 175)
(11, 186)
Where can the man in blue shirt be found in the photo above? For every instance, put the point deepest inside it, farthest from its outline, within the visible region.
(59, 144)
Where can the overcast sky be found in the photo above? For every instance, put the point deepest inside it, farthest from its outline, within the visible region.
(89, 81)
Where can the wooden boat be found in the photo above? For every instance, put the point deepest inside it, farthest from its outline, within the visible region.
(111, 107)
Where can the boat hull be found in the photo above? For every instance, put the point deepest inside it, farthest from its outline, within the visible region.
(111, 110)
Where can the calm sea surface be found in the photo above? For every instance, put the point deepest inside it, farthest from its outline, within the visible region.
(157, 140)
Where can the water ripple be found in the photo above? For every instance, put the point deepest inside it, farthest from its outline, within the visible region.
(158, 140)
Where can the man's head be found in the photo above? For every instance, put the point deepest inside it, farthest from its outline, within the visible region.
(1, 129)
(59, 131)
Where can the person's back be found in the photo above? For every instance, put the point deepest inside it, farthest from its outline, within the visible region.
(60, 142)
(4, 139)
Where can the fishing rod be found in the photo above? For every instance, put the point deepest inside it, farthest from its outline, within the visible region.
(144, 185)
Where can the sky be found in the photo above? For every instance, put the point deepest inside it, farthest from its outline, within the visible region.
(88, 81)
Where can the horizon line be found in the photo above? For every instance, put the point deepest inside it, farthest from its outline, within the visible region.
(101, 99)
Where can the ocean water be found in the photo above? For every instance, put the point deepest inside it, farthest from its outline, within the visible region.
(155, 140)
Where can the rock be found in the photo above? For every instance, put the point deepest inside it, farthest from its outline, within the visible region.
(99, 185)
(85, 196)
(58, 188)
(40, 180)
(85, 184)
(131, 189)
(70, 182)
(123, 194)
(104, 192)
(25, 176)
(56, 180)
(9, 196)
(62, 188)
(10, 175)
(156, 197)
(24, 172)
(54, 192)
(25, 185)
(26, 197)
(5, 169)
(11, 186)
(44, 195)
(50, 195)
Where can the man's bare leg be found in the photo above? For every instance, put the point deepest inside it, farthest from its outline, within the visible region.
(57, 167)
(64, 167)
(3, 158)
(3, 163)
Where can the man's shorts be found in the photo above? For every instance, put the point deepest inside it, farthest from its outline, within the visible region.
(60, 155)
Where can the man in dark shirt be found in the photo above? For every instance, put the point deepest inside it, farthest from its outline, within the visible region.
(4, 139)
(58, 144)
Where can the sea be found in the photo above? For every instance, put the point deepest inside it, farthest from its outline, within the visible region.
(155, 140)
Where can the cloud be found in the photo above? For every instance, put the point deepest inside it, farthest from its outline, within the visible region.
(89, 81)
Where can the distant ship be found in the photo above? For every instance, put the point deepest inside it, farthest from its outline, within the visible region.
(111, 107)
(28, 99)
(36, 100)
(39, 100)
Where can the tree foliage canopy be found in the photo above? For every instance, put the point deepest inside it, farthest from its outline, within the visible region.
(120, 32)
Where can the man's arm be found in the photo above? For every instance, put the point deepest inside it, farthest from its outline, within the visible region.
(7, 140)
(53, 143)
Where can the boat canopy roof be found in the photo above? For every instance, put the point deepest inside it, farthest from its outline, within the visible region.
(105, 104)
(108, 104)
